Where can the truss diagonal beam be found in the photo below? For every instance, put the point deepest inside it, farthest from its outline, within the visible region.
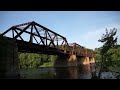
(31, 35)
(51, 40)
(48, 29)
(39, 35)
(6, 31)
(35, 39)
(19, 36)
(22, 31)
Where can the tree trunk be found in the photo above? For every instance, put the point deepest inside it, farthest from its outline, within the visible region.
(101, 67)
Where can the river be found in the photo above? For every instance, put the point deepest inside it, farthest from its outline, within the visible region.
(79, 72)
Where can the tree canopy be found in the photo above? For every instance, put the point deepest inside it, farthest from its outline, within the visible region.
(109, 51)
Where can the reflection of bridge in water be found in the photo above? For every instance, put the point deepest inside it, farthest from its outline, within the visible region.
(32, 37)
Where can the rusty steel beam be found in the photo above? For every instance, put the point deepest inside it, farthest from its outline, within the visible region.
(22, 24)
(46, 37)
(6, 31)
(22, 31)
(48, 29)
(13, 33)
(35, 39)
(31, 33)
(51, 39)
(19, 36)
(39, 35)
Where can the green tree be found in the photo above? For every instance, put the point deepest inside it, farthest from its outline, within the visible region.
(32, 60)
(114, 54)
(97, 54)
(109, 41)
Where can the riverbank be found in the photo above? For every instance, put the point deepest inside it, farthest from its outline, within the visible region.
(113, 72)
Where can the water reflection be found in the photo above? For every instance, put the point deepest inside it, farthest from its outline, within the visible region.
(85, 72)
(81, 72)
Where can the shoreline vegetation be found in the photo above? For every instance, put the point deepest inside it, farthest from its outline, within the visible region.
(109, 54)
(31, 60)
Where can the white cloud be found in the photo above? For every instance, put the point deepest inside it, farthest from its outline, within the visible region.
(90, 39)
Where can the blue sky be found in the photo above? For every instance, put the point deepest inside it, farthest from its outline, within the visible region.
(82, 27)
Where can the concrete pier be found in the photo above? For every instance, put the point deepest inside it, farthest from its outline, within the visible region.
(72, 60)
(8, 58)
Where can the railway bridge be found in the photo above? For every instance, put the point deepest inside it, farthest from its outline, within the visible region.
(32, 37)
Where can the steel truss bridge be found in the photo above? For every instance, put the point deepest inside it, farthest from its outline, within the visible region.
(32, 37)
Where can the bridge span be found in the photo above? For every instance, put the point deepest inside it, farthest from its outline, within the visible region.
(32, 37)
(43, 40)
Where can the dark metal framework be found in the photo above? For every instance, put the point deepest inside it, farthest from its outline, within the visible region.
(44, 38)
(80, 50)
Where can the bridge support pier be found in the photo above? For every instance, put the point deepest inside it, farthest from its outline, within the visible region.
(72, 60)
(8, 58)
(86, 60)
(92, 60)
(61, 61)
(66, 61)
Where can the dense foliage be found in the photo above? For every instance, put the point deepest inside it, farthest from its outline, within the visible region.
(113, 53)
(109, 41)
(108, 54)
(31, 60)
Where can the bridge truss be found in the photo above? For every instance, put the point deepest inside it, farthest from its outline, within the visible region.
(35, 38)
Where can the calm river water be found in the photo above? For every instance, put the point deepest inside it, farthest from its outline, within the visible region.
(81, 72)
